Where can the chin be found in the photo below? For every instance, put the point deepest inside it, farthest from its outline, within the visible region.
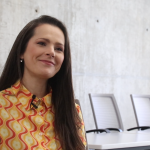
(47, 76)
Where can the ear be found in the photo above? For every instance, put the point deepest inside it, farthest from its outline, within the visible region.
(21, 57)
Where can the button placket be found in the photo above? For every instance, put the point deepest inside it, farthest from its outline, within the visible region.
(40, 113)
(40, 107)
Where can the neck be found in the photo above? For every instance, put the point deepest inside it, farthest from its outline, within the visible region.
(36, 86)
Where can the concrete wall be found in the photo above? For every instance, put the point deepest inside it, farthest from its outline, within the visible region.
(109, 41)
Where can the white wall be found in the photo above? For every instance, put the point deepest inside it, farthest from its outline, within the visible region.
(109, 41)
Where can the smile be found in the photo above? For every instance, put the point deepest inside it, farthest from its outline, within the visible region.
(50, 63)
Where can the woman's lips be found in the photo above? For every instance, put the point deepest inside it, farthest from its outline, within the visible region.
(50, 63)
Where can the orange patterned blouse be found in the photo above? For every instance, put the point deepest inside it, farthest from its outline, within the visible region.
(25, 128)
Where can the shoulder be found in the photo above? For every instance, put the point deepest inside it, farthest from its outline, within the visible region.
(77, 107)
(76, 104)
(78, 110)
(7, 91)
(4, 96)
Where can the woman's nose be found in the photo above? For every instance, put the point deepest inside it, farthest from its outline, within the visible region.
(50, 51)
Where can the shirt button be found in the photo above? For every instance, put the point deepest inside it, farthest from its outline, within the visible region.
(40, 133)
(40, 113)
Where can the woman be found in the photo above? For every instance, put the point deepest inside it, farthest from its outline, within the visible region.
(37, 109)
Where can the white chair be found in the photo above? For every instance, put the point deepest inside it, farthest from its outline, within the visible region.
(141, 106)
(106, 113)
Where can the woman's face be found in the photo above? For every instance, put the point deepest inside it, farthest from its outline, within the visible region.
(44, 54)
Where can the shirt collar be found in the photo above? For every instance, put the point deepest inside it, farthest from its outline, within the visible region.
(25, 96)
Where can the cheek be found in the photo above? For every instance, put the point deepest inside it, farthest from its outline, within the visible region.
(30, 55)
(59, 63)
(31, 50)
(61, 60)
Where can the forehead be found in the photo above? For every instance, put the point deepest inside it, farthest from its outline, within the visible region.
(49, 31)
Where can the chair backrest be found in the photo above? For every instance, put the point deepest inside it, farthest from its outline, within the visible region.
(141, 106)
(78, 102)
(105, 111)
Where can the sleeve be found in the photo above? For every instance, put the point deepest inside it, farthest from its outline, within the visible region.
(4, 116)
(82, 129)
(1, 125)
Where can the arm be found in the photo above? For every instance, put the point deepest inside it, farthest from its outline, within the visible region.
(82, 133)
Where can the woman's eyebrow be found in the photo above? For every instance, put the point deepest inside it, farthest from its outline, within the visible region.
(45, 39)
(60, 44)
(49, 41)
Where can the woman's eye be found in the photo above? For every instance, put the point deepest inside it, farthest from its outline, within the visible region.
(42, 43)
(59, 49)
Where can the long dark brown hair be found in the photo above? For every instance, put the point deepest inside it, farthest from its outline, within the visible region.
(67, 121)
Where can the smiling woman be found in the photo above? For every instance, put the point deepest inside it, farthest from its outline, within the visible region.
(37, 108)
(44, 54)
